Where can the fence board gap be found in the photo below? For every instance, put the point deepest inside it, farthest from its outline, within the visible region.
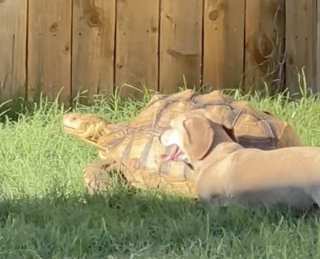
(180, 44)
(223, 43)
(137, 46)
(300, 43)
(49, 48)
(93, 47)
(13, 20)
(265, 32)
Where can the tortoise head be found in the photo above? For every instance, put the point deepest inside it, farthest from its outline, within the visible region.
(88, 127)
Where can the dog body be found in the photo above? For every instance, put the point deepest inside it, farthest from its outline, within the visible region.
(230, 174)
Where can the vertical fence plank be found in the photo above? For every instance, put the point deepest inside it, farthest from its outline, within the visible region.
(93, 46)
(264, 59)
(223, 43)
(137, 45)
(13, 22)
(316, 87)
(300, 43)
(49, 40)
(180, 44)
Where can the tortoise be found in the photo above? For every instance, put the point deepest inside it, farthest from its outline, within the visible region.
(132, 148)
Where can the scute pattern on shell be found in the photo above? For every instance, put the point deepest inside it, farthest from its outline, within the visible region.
(135, 146)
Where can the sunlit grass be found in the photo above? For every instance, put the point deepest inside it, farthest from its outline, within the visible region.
(45, 212)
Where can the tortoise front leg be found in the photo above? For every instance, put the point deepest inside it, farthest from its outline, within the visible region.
(97, 175)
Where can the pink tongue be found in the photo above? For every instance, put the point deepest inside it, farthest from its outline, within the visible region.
(165, 157)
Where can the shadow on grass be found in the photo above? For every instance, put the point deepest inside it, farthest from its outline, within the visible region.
(123, 223)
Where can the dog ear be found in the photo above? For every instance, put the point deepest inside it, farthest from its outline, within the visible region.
(230, 132)
(200, 136)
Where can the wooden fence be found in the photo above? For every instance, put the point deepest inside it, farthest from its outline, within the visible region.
(94, 45)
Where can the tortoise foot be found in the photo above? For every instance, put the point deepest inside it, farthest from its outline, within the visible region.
(96, 177)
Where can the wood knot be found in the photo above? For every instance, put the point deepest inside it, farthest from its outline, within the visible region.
(177, 53)
(261, 49)
(119, 66)
(94, 20)
(265, 46)
(65, 49)
(53, 27)
(213, 15)
(290, 61)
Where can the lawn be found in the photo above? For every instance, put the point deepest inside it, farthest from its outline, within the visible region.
(45, 212)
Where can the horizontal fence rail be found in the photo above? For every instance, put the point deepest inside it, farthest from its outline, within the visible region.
(68, 46)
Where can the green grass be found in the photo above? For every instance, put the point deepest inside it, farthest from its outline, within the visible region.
(45, 213)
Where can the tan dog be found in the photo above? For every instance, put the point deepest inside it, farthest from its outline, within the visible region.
(230, 174)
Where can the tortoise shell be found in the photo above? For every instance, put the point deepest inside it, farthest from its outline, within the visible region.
(135, 147)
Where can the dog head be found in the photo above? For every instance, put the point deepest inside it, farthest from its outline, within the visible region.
(192, 136)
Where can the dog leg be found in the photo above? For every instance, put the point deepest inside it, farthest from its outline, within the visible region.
(314, 192)
(215, 204)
